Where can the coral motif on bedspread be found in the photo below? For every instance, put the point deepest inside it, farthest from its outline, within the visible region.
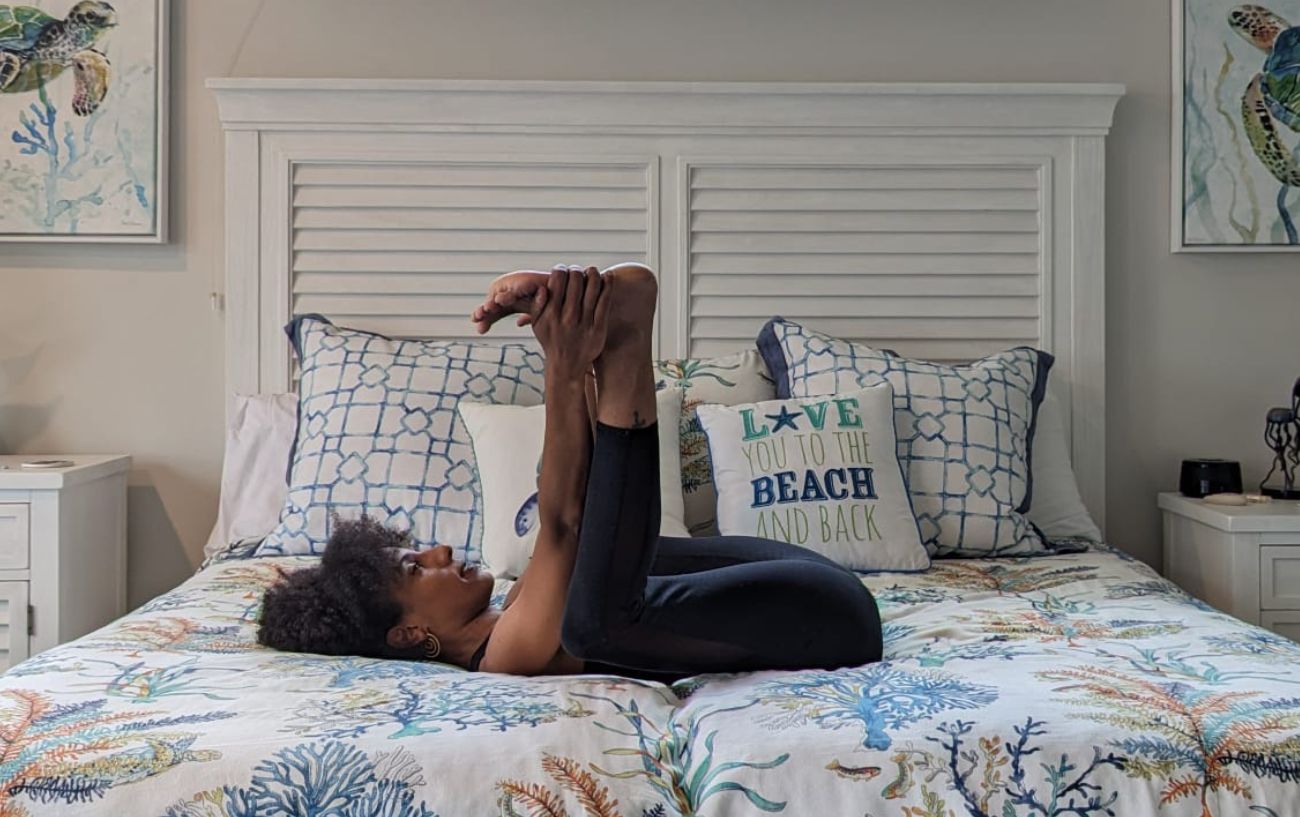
(326, 778)
(1080, 685)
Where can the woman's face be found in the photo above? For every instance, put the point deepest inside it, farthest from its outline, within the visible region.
(438, 592)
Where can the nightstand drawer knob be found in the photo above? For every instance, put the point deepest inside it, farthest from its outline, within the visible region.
(15, 526)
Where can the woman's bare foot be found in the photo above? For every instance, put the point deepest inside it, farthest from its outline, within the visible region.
(625, 384)
(632, 312)
(524, 292)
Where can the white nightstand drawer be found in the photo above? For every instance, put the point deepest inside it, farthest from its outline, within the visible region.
(1279, 578)
(13, 623)
(1285, 623)
(15, 527)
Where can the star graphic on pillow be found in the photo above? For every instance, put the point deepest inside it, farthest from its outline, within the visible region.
(785, 418)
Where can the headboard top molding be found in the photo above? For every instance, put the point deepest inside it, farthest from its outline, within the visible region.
(942, 220)
(1038, 108)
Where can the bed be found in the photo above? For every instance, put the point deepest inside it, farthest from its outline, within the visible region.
(1079, 684)
(943, 221)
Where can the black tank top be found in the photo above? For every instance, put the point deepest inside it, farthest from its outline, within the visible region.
(478, 654)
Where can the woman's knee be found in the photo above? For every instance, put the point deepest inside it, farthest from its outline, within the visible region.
(854, 640)
(853, 629)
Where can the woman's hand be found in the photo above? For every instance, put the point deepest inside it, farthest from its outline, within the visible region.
(571, 327)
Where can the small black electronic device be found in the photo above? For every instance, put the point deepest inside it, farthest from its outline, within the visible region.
(1209, 476)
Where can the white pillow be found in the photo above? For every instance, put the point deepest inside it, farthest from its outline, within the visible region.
(253, 487)
(1055, 506)
(819, 472)
(507, 444)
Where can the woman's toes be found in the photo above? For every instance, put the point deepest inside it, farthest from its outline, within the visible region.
(509, 293)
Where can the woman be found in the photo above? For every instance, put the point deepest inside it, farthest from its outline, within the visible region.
(603, 591)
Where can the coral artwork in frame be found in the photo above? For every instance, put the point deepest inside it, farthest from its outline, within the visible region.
(83, 121)
(1236, 125)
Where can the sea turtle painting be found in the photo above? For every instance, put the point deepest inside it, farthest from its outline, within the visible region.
(83, 113)
(1272, 97)
(1237, 141)
(36, 48)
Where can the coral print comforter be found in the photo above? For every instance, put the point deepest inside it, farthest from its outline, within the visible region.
(1079, 685)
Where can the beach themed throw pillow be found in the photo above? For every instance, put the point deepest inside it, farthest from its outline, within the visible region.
(819, 472)
(508, 450)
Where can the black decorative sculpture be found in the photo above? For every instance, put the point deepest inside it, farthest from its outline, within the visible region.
(1282, 435)
(1295, 408)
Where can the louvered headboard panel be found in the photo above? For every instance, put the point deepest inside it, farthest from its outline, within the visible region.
(943, 221)
(408, 249)
(938, 261)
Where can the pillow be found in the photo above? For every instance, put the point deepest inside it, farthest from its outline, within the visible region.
(378, 433)
(964, 432)
(822, 473)
(259, 435)
(508, 449)
(729, 380)
(1057, 510)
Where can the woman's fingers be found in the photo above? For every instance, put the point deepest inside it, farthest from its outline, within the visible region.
(600, 316)
(592, 286)
(557, 284)
(573, 297)
(573, 293)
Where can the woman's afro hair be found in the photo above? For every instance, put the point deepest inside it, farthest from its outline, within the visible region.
(344, 605)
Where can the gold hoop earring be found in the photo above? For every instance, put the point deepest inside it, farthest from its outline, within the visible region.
(432, 646)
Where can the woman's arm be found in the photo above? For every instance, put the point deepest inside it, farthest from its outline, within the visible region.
(590, 390)
(571, 329)
(555, 530)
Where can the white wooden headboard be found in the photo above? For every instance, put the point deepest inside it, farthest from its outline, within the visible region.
(944, 221)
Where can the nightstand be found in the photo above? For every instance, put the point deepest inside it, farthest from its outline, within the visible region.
(1243, 560)
(62, 550)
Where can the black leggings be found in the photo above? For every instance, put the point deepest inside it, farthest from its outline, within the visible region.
(676, 607)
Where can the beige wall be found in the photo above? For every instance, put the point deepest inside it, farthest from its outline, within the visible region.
(118, 349)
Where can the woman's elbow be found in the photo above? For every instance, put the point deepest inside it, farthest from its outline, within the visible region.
(560, 528)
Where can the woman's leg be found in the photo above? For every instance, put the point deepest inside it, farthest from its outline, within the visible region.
(620, 519)
(716, 612)
(775, 614)
(784, 608)
(675, 555)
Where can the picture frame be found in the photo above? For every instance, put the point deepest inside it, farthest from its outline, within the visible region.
(1231, 145)
(106, 178)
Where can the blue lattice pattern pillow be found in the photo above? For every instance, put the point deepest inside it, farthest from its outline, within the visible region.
(964, 432)
(378, 432)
